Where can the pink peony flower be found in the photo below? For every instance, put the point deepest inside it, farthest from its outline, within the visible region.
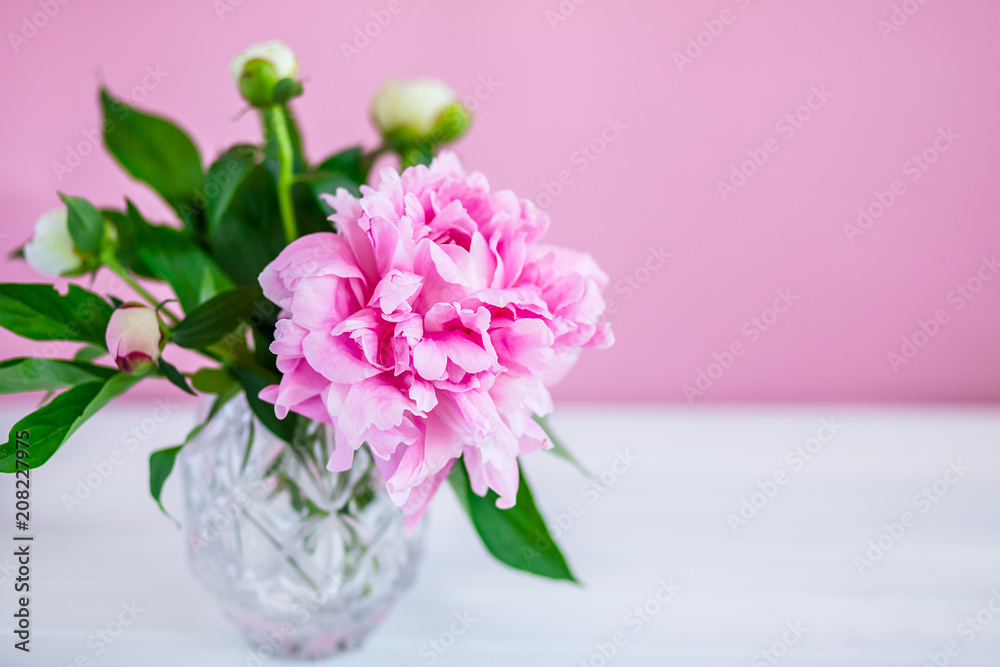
(429, 327)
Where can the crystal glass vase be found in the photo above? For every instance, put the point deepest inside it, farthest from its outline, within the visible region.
(305, 561)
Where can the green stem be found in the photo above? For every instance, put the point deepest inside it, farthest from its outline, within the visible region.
(277, 545)
(140, 290)
(275, 125)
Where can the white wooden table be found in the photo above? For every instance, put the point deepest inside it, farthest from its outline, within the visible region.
(663, 519)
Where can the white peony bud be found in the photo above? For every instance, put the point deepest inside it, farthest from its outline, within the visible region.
(51, 250)
(258, 69)
(415, 105)
(135, 337)
(275, 52)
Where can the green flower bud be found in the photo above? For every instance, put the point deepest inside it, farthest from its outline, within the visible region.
(451, 124)
(420, 111)
(258, 70)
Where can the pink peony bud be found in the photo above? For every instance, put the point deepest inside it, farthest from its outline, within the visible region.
(135, 337)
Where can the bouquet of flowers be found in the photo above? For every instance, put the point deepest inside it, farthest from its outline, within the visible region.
(422, 317)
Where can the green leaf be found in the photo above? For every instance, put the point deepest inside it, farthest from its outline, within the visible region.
(161, 464)
(50, 426)
(127, 241)
(89, 353)
(113, 387)
(328, 183)
(311, 215)
(347, 169)
(417, 154)
(349, 162)
(517, 536)
(224, 178)
(170, 372)
(560, 449)
(285, 90)
(213, 381)
(250, 234)
(218, 316)
(172, 256)
(252, 383)
(39, 312)
(86, 224)
(154, 151)
(263, 334)
(29, 374)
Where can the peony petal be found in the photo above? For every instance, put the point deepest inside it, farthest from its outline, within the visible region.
(392, 250)
(338, 358)
(322, 302)
(373, 402)
(342, 458)
(524, 346)
(429, 359)
(419, 498)
(461, 349)
(394, 290)
(313, 255)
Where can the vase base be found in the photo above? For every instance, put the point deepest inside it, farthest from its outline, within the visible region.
(296, 643)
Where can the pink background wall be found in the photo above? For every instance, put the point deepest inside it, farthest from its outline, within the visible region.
(681, 129)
